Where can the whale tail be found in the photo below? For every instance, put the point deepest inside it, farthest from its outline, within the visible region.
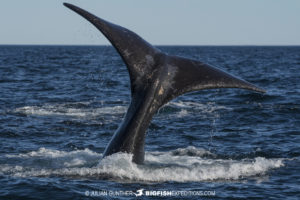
(155, 78)
(142, 59)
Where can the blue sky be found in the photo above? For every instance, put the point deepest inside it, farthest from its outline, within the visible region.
(160, 22)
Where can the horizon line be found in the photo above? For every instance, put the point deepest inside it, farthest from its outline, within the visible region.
(265, 45)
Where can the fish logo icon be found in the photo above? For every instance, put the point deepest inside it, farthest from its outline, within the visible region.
(139, 193)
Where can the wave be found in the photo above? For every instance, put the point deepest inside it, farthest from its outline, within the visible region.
(208, 107)
(189, 164)
(66, 110)
(182, 109)
(84, 109)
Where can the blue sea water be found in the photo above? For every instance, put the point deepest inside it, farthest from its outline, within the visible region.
(60, 105)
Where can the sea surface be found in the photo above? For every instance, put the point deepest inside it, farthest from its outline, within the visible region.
(60, 105)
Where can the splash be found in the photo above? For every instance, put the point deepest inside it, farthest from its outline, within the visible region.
(189, 164)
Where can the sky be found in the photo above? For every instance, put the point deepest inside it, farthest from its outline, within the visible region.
(160, 22)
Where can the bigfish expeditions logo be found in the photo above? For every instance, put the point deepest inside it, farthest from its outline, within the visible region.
(139, 193)
(150, 193)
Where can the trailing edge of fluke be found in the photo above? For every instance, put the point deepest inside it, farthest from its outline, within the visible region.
(156, 78)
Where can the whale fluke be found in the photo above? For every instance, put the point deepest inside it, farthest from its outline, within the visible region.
(155, 78)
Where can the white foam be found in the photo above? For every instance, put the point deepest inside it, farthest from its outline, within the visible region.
(210, 109)
(181, 165)
(51, 153)
(70, 110)
(63, 110)
(49, 158)
(191, 151)
(182, 113)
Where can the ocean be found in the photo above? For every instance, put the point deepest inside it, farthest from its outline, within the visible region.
(60, 105)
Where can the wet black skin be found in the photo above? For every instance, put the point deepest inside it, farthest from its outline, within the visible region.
(155, 78)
